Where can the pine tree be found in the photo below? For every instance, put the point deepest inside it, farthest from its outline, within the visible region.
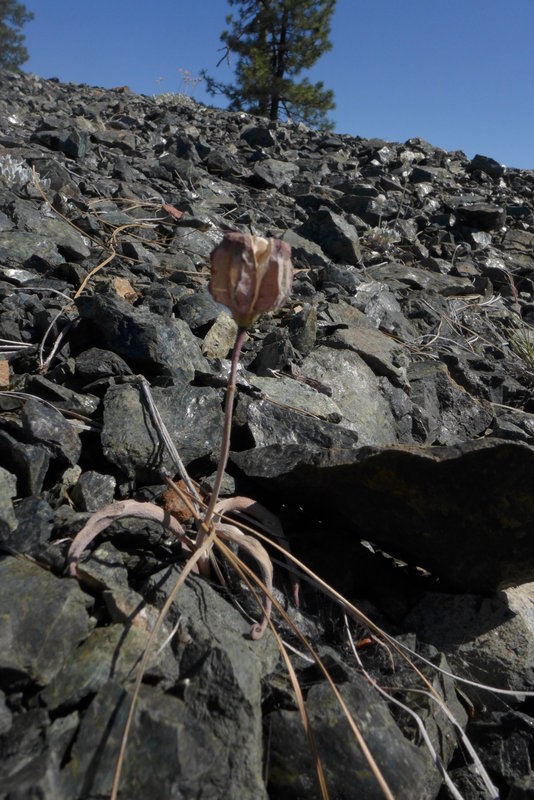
(13, 16)
(275, 40)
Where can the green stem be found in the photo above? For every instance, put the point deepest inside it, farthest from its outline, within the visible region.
(225, 446)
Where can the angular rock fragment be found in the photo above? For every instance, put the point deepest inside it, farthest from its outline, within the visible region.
(35, 520)
(8, 490)
(72, 143)
(93, 490)
(27, 461)
(337, 745)
(193, 417)
(98, 363)
(147, 341)
(39, 631)
(336, 237)
(274, 173)
(49, 427)
(356, 392)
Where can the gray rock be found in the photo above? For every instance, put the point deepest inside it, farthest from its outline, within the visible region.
(291, 772)
(302, 330)
(8, 490)
(50, 428)
(303, 250)
(372, 210)
(481, 215)
(147, 341)
(35, 520)
(294, 395)
(182, 756)
(42, 629)
(269, 423)
(258, 135)
(220, 338)
(61, 397)
(93, 490)
(193, 417)
(336, 237)
(198, 310)
(225, 669)
(358, 333)
(487, 165)
(395, 496)
(97, 363)
(276, 354)
(31, 755)
(417, 278)
(72, 143)
(110, 653)
(452, 415)
(6, 717)
(21, 248)
(28, 462)
(355, 390)
(489, 638)
(413, 283)
(382, 308)
(277, 174)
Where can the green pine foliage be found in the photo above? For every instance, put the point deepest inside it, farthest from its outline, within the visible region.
(13, 16)
(275, 41)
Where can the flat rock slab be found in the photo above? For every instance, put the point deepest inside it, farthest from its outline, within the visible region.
(464, 513)
(380, 352)
(356, 392)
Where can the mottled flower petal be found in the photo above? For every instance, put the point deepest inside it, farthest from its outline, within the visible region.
(250, 275)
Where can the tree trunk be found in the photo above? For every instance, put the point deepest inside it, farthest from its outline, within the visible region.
(279, 67)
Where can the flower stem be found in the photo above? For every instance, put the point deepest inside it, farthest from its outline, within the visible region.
(225, 445)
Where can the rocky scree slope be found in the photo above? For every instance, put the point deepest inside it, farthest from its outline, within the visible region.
(389, 403)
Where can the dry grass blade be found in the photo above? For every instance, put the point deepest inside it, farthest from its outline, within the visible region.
(9, 346)
(419, 722)
(338, 598)
(93, 272)
(167, 441)
(234, 534)
(100, 520)
(59, 214)
(89, 424)
(258, 552)
(493, 792)
(238, 564)
(45, 363)
(245, 507)
(459, 678)
(188, 567)
(112, 241)
(375, 769)
(400, 648)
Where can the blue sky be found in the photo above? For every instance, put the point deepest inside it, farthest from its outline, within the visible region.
(459, 74)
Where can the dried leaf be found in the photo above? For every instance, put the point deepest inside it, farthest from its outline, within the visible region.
(124, 289)
(4, 374)
(172, 211)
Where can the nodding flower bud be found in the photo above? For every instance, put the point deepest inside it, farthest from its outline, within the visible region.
(250, 275)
